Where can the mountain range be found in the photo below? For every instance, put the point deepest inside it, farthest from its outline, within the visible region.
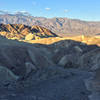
(60, 26)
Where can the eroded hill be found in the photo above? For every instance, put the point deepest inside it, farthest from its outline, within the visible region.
(23, 32)
(65, 69)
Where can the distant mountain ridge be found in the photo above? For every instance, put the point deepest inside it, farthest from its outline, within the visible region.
(61, 26)
(20, 31)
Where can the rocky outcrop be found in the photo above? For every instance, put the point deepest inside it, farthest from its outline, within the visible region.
(90, 60)
(69, 61)
(6, 75)
(22, 60)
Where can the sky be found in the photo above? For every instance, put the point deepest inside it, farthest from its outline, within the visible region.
(88, 10)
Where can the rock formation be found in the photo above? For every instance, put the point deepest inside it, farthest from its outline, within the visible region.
(65, 70)
(21, 32)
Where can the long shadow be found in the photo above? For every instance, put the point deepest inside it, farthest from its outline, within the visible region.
(57, 50)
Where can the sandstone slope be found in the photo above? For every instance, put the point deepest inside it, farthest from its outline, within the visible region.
(20, 31)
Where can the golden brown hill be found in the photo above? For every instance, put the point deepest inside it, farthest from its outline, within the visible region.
(89, 40)
(20, 31)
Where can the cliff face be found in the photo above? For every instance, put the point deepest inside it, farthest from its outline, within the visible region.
(20, 31)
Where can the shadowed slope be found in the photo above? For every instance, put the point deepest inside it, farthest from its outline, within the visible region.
(33, 69)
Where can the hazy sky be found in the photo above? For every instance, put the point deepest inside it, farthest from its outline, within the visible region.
(77, 9)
